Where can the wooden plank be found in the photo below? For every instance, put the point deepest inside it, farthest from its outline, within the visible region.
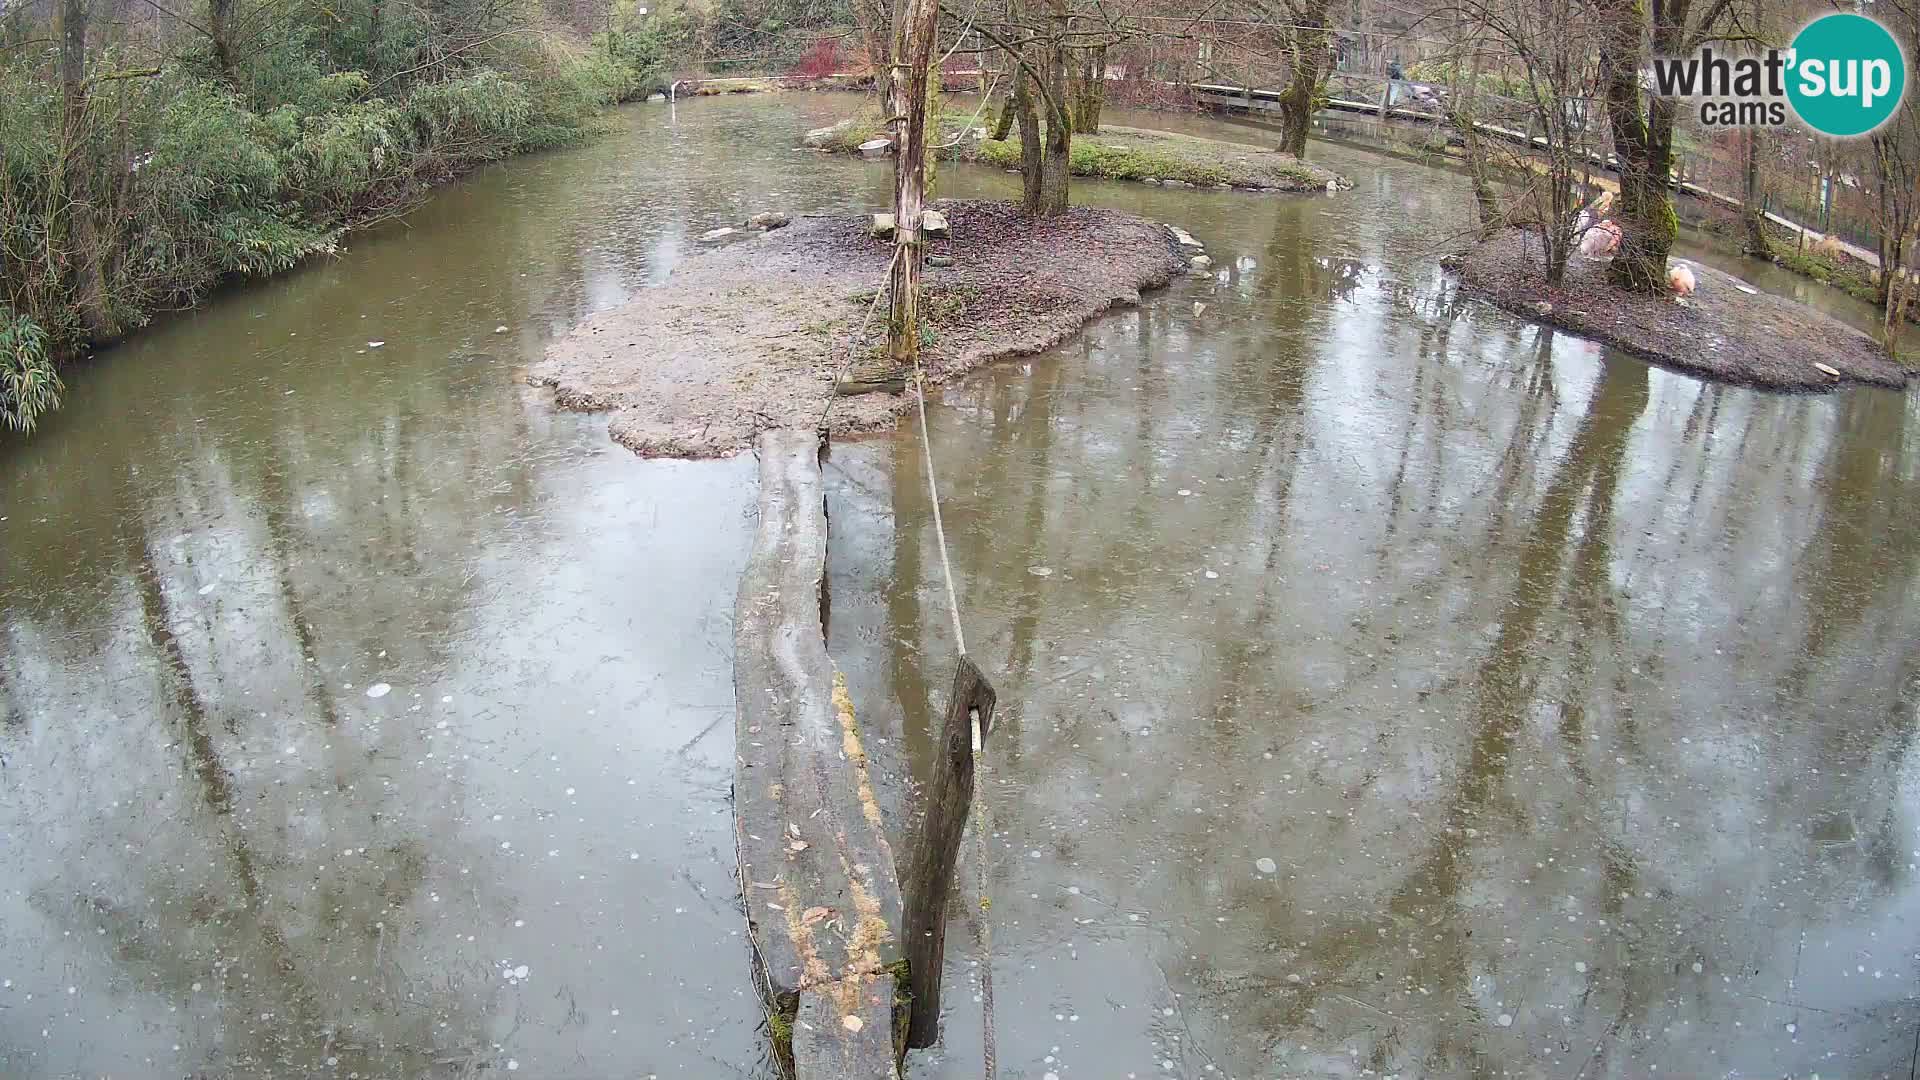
(816, 872)
(929, 880)
(844, 1031)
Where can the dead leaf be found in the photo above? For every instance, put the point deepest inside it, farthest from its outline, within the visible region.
(814, 914)
(798, 846)
(1833, 371)
(852, 1023)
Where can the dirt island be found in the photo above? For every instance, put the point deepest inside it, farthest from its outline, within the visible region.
(1725, 329)
(751, 336)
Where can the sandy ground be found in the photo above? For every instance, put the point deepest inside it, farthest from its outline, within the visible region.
(750, 337)
(1719, 332)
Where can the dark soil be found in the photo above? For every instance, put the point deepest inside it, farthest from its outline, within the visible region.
(751, 336)
(1719, 332)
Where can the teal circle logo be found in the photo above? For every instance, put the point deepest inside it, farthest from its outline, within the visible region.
(1848, 75)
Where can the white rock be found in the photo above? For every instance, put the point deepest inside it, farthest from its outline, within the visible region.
(499, 329)
(1266, 865)
(719, 234)
(379, 690)
(881, 226)
(1201, 262)
(934, 224)
(375, 344)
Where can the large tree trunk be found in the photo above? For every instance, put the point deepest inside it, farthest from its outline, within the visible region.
(1642, 140)
(910, 172)
(75, 231)
(1030, 148)
(1465, 120)
(1003, 120)
(1752, 199)
(376, 23)
(220, 29)
(73, 55)
(1090, 90)
(1054, 162)
(1009, 69)
(1896, 310)
(1306, 53)
(1895, 208)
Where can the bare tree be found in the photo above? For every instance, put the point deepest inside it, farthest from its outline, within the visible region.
(1306, 44)
(1896, 167)
(908, 79)
(1528, 63)
(1643, 123)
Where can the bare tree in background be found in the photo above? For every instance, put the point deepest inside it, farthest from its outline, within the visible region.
(1528, 63)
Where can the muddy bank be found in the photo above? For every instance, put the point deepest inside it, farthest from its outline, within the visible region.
(1721, 331)
(749, 337)
(1163, 158)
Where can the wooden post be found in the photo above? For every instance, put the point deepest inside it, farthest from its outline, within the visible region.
(930, 872)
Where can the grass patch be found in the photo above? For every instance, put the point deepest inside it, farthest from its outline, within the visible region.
(867, 125)
(1847, 276)
(1129, 154)
(780, 1031)
(902, 1006)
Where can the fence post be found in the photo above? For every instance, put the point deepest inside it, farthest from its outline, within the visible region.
(930, 874)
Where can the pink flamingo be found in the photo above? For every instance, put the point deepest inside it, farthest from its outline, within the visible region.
(1601, 240)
